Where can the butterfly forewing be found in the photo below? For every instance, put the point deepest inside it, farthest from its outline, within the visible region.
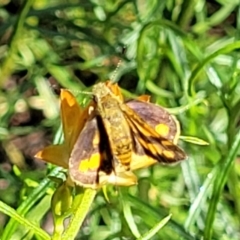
(157, 117)
(154, 144)
(85, 158)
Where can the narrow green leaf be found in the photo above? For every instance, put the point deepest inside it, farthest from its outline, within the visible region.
(193, 140)
(226, 49)
(28, 224)
(156, 228)
(130, 219)
(219, 184)
(23, 209)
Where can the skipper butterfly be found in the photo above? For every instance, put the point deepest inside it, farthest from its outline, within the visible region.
(121, 136)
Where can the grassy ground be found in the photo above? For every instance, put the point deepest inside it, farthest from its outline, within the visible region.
(182, 53)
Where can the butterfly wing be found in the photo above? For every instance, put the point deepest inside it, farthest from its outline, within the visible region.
(85, 159)
(158, 118)
(154, 132)
(91, 161)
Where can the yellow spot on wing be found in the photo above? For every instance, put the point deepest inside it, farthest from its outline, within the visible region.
(167, 143)
(162, 129)
(168, 154)
(90, 164)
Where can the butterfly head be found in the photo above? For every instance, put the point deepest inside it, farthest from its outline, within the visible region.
(100, 91)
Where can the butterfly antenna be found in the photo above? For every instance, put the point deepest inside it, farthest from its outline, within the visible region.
(78, 91)
(113, 77)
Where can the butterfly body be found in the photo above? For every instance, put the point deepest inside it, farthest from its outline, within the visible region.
(115, 124)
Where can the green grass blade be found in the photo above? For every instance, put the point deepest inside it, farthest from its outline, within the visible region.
(18, 218)
(35, 196)
(156, 228)
(219, 184)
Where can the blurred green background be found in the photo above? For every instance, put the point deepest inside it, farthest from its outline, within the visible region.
(183, 53)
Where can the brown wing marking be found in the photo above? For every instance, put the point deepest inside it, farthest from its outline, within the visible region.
(158, 118)
(85, 158)
(91, 155)
(155, 146)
